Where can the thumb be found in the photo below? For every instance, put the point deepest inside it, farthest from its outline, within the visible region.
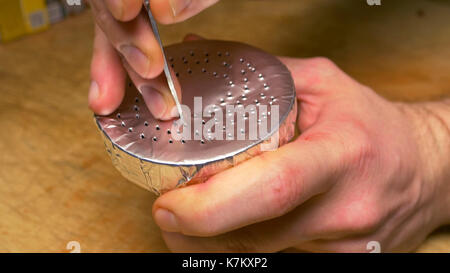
(262, 188)
(157, 94)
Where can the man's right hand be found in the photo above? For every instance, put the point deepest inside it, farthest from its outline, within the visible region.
(124, 43)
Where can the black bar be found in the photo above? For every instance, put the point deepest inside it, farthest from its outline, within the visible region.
(275, 262)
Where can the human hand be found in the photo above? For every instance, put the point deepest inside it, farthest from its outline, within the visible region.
(358, 172)
(124, 42)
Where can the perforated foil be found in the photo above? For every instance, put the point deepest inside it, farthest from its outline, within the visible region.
(151, 154)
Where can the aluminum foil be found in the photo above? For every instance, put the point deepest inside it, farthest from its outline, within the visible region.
(153, 155)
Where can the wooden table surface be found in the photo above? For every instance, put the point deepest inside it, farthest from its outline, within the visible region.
(57, 183)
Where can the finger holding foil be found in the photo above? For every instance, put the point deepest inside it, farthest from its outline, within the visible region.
(123, 35)
(157, 94)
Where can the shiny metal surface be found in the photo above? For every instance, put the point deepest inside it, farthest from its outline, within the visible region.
(223, 74)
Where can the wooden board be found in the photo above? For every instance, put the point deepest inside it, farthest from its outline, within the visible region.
(57, 183)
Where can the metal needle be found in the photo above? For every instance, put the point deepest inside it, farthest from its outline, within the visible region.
(170, 83)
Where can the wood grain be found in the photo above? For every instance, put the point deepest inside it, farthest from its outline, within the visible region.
(58, 185)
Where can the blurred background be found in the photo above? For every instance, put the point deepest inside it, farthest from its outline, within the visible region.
(57, 184)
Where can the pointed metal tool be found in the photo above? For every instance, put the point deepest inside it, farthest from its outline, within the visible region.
(170, 82)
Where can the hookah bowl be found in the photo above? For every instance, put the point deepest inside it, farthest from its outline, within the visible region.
(255, 85)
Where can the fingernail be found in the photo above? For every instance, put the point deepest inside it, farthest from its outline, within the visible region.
(166, 220)
(174, 112)
(154, 100)
(178, 6)
(136, 58)
(94, 92)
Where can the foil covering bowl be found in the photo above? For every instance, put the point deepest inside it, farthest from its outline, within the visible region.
(249, 87)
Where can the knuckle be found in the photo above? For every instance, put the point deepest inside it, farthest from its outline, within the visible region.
(325, 76)
(363, 221)
(323, 63)
(360, 150)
